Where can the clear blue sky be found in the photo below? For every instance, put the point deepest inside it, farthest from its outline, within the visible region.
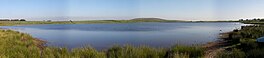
(168, 9)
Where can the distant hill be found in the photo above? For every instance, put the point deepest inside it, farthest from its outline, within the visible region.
(148, 19)
(153, 20)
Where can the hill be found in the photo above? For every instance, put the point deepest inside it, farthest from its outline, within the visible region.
(148, 19)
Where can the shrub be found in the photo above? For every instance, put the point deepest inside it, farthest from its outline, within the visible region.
(235, 53)
(256, 53)
(247, 44)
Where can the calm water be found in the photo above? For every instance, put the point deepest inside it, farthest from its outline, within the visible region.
(103, 36)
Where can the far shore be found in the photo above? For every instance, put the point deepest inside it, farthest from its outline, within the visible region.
(15, 23)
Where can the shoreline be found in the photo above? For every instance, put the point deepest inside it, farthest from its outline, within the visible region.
(43, 41)
(212, 48)
(33, 47)
(208, 43)
(236, 43)
(209, 47)
(18, 23)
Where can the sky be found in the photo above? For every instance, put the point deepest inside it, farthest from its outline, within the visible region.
(128, 9)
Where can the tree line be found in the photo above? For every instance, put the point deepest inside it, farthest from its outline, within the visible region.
(12, 19)
(255, 19)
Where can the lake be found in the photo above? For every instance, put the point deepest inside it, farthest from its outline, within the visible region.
(102, 36)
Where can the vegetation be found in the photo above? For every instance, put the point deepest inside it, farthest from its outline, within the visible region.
(20, 45)
(252, 21)
(194, 52)
(14, 44)
(235, 53)
(243, 44)
(149, 19)
(12, 19)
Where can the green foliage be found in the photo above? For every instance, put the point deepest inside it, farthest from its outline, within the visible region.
(87, 52)
(256, 53)
(135, 52)
(14, 44)
(234, 37)
(245, 41)
(252, 21)
(192, 51)
(253, 32)
(235, 53)
(247, 44)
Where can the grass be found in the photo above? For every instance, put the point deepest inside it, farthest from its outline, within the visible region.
(192, 51)
(14, 44)
(20, 45)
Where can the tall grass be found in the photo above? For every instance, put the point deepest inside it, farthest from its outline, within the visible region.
(192, 51)
(135, 52)
(14, 44)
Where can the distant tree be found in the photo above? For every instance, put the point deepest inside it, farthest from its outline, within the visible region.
(240, 19)
(22, 20)
(4, 20)
(261, 20)
(48, 20)
(14, 19)
(258, 19)
(247, 19)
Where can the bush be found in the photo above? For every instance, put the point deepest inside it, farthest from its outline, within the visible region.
(247, 44)
(22, 20)
(235, 53)
(256, 53)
